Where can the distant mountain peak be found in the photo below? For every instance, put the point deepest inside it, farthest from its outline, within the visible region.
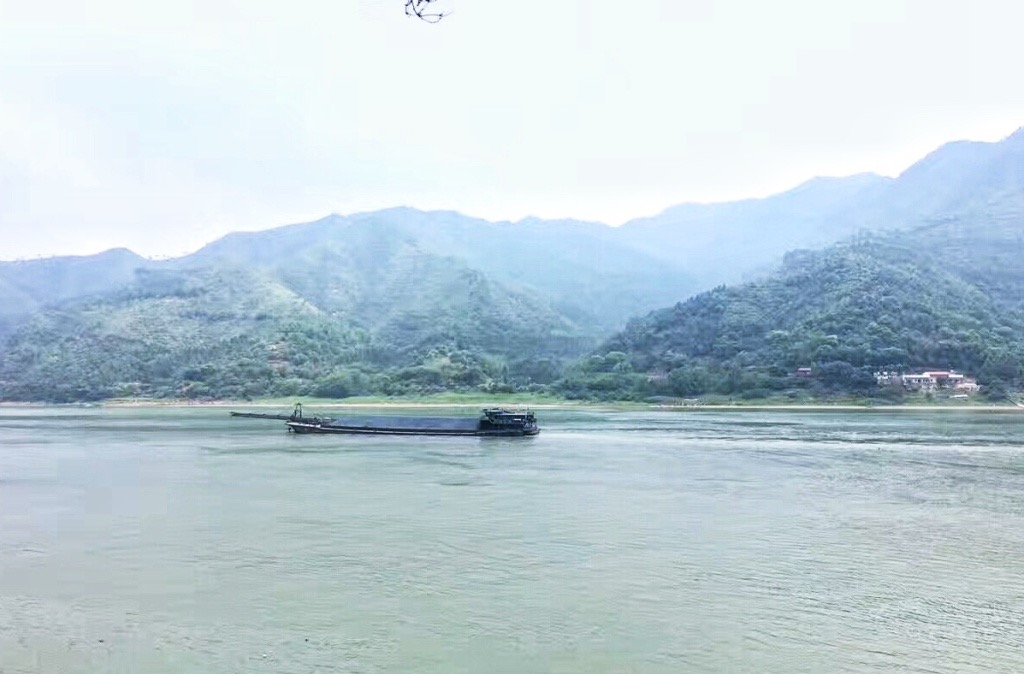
(1015, 137)
(120, 252)
(533, 220)
(863, 178)
(112, 254)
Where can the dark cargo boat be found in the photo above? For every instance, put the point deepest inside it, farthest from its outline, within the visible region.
(495, 421)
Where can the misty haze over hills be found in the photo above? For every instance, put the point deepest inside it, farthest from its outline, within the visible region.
(960, 179)
(409, 287)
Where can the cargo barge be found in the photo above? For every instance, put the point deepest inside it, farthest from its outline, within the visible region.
(494, 421)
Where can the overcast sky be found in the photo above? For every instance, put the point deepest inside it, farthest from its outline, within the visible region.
(161, 126)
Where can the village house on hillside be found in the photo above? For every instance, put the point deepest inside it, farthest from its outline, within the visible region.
(932, 380)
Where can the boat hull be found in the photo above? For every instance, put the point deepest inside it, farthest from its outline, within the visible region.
(308, 427)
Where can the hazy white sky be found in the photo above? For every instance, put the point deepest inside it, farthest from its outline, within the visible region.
(161, 126)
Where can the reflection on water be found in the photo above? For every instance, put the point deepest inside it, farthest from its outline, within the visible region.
(186, 541)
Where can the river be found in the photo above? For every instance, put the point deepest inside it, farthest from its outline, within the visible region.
(181, 540)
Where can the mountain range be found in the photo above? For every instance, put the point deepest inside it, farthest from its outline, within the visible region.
(720, 243)
(403, 300)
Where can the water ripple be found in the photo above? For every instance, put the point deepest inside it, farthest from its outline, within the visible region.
(177, 540)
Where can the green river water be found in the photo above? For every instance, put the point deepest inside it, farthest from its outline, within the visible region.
(181, 540)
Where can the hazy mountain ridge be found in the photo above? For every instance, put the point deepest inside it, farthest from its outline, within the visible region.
(576, 266)
(28, 286)
(721, 243)
(963, 179)
(599, 274)
(401, 299)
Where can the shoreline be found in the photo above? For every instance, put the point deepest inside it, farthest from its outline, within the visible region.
(566, 405)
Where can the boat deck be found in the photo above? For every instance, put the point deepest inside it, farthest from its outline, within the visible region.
(404, 423)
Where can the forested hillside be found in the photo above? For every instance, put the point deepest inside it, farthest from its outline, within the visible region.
(234, 333)
(945, 296)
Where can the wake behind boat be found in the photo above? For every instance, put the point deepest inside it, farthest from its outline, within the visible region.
(494, 421)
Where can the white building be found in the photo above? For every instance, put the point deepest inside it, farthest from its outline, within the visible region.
(936, 379)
